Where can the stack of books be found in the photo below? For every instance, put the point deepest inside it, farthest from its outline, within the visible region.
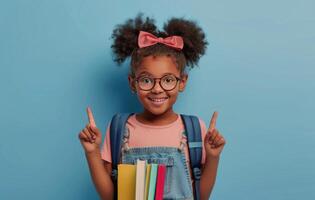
(141, 181)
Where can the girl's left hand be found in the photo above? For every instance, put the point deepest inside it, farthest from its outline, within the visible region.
(214, 141)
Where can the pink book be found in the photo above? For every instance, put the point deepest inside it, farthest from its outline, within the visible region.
(160, 182)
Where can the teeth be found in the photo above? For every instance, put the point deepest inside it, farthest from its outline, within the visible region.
(158, 100)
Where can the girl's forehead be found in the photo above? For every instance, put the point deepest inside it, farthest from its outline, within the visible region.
(157, 66)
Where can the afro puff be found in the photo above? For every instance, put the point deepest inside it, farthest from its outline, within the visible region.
(194, 38)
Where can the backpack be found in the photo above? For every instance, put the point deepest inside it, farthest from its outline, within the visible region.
(192, 131)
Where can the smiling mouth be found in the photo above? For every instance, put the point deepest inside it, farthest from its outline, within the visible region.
(158, 100)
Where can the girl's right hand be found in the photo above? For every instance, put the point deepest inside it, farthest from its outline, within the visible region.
(90, 137)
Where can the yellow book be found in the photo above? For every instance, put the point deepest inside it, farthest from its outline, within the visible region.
(147, 181)
(126, 182)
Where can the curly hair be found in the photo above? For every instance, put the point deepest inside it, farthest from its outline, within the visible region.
(125, 43)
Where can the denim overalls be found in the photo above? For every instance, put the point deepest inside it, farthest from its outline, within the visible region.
(177, 181)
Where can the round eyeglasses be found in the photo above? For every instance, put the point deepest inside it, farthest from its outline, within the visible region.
(167, 82)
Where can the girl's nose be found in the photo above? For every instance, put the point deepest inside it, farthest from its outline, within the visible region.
(157, 88)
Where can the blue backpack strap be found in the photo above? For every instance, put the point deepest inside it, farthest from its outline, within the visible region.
(193, 133)
(117, 128)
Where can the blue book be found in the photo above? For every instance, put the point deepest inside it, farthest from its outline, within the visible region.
(152, 184)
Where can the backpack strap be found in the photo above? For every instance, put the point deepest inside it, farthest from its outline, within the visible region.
(193, 133)
(117, 129)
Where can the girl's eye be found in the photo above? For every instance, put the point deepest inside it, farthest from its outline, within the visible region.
(169, 79)
(145, 80)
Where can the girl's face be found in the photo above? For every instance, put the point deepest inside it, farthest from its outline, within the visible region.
(157, 100)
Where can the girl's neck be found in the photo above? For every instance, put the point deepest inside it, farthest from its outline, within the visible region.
(157, 120)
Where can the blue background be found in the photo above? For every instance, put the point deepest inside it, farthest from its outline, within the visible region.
(258, 73)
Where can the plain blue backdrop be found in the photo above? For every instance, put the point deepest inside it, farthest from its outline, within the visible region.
(258, 73)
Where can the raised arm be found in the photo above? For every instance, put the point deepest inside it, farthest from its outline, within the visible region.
(214, 143)
(91, 139)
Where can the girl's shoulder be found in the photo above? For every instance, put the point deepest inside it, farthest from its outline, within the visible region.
(201, 121)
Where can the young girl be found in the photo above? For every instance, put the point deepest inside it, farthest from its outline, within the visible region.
(157, 75)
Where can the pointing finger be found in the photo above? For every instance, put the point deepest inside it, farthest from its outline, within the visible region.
(213, 135)
(213, 120)
(91, 118)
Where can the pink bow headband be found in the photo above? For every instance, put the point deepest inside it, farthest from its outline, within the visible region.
(147, 39)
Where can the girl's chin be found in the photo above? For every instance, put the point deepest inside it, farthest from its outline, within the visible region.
(157, 110)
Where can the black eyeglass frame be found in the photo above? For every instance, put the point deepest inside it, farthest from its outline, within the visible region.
(177, 79)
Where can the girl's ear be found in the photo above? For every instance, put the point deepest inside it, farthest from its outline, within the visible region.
(132, 83)
(182, 83)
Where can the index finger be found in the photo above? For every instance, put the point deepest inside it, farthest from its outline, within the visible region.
(91, 118)
(213, 120)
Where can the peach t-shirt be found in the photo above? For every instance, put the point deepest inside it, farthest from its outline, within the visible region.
(143, 135)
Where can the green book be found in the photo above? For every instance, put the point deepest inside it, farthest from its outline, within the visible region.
(152, 183)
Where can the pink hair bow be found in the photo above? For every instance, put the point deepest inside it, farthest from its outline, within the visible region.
(147, 39)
